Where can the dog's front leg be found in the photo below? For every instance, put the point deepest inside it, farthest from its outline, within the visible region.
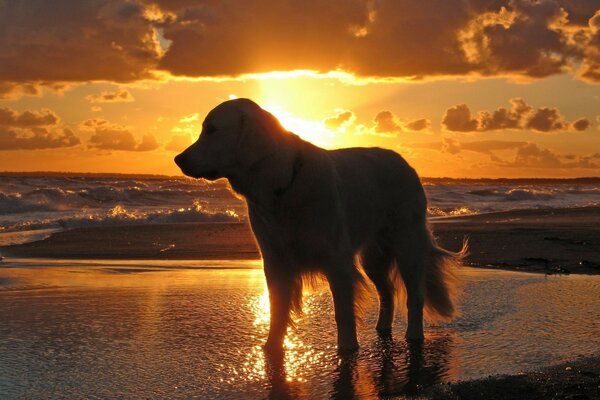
(280, 298)
(343, 291)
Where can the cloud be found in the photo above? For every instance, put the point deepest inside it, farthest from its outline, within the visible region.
(43, 41)
(118, 96)
(388, 124)
(16, 90)
(109, 136)
(581, 124)
(454, 146)
(27, 118)
(386, 38)
(342, 120)
(590, 68)
(178, 143)
(194, 117)
(527, 155)
(520, 116)
(532, 156)
(524, 38)
(148, 143)
(458, 119)
(10, 91)
(70, 41)
(33, 129)
(418, 125)
(36, 138)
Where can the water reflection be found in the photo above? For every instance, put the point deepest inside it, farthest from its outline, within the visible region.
(386, 367)
(88, 332)
(297, 359)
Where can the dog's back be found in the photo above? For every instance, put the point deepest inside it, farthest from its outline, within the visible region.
(378, 188)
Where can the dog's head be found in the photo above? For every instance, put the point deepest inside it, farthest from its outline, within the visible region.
(235, 135)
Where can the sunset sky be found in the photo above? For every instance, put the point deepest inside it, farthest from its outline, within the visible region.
(480, 88)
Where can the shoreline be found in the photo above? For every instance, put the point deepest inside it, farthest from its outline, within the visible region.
(575, 379)
(541, 240)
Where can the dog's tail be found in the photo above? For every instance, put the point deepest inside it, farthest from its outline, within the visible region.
(441, 284)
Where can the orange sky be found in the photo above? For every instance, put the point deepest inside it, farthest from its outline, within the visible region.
(486, 88)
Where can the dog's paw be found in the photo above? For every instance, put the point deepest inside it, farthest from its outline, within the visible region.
(349, 347)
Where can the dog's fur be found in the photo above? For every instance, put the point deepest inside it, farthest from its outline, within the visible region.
(316, 211)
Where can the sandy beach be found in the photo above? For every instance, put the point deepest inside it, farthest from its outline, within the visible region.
(545, 240)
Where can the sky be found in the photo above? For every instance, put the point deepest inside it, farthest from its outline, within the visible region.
(460, 88)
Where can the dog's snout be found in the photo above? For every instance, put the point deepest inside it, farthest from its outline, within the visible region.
(179, 160)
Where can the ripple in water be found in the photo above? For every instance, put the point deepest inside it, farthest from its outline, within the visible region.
(83, 332)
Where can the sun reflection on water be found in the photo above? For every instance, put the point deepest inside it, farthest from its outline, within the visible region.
(299, 357)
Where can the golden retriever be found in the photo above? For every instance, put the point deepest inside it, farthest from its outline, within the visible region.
(335, 213)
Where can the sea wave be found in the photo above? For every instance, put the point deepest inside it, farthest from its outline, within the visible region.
(119, 215)
(59, 201)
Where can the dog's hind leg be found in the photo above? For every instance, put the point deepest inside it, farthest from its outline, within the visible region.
(343, 283)
(377, 261)
(410, 249)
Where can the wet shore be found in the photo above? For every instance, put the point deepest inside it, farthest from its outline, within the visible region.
(551, 241)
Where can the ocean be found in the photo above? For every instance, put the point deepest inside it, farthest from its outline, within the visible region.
(32, 206)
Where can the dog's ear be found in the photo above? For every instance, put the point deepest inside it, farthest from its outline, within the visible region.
(260, 133)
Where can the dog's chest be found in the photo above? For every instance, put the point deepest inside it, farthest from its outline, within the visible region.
(301, 238)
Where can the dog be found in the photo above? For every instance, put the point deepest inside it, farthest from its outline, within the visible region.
(341, 214)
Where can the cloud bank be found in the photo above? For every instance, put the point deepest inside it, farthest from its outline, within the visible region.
(110, 136)
(33, 130)
(520, 116)
(62, 40)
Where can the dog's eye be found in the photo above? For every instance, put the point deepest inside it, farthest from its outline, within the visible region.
(208, 129)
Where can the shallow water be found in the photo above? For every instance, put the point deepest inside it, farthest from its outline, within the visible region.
(137, 330)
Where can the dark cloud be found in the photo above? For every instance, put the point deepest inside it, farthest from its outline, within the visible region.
(33, 129)
(64, 40)
(590, 68)
(234, 37)
(9, 90)
(126, 40)
(580, 11)
(118, 96)
(520, 116)
(27, 118)
(581, 124)
(109, 136)
(418, 125)
(459, 119)
(525, 38)
(36, 138)
(388, 124)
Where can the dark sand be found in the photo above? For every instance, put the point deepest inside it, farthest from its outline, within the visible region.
(547, 241)
(578, 379)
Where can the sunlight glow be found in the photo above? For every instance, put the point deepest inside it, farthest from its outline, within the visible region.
(312, 131)
(345, 77)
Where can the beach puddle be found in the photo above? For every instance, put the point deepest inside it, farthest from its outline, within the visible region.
(187, 330)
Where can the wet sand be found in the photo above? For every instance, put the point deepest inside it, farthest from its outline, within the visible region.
(577, 379)
(547, 241)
